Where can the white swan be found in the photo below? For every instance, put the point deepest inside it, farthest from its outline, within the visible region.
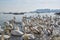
(28, 36)
(3, 36)
(16, 32)
(1, 30)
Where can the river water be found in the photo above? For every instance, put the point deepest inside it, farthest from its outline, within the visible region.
(6, 17)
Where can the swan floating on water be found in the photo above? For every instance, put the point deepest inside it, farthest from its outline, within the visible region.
(16, 33)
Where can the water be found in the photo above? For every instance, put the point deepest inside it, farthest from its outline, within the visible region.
(6, 17)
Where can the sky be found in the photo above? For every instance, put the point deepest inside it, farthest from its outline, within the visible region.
(27, 5)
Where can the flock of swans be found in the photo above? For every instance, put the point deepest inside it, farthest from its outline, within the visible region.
(33, 28)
